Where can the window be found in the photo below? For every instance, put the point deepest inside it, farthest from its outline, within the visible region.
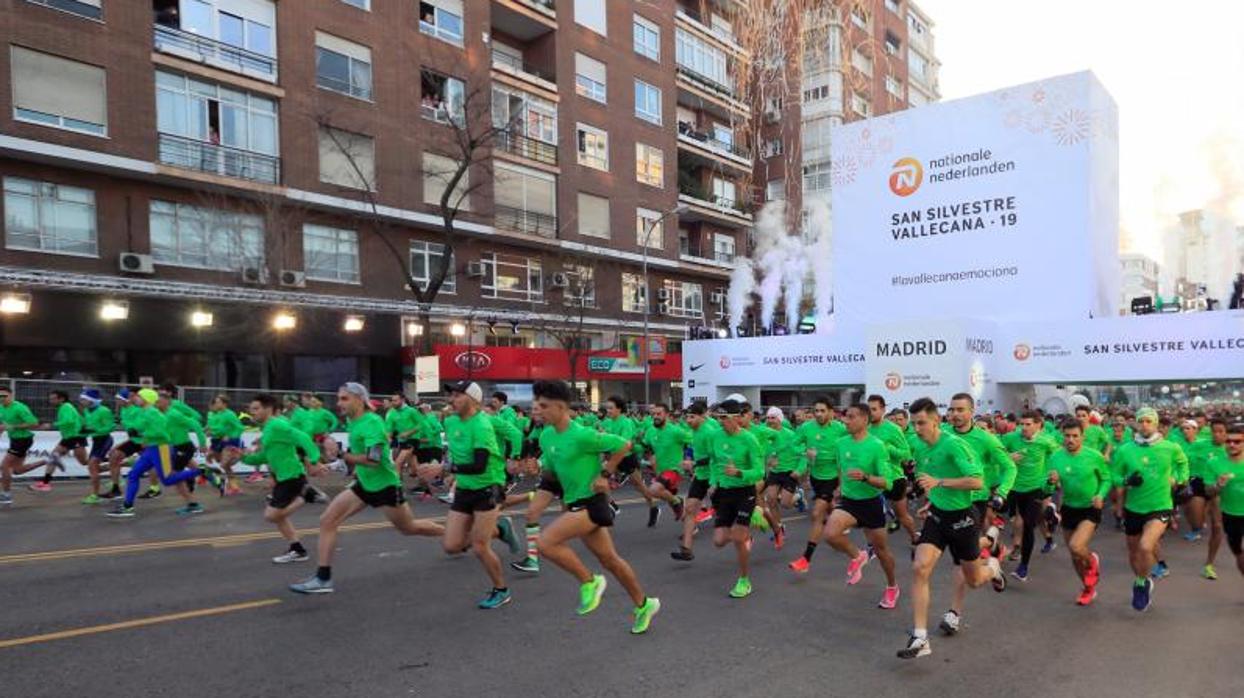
(444, 98)
(437, 171)
(593, 147)
(723, 245)
(361, 4)
(87, 8)
(216, 115)
(649, 229)
(860, 104)
(725, 193)
(893, 86)
(424, 258)
(49, 217)
(205, 238)
(695, 55)
(917, 65)
(862, 62)
(892, 44)
(859, 18)
(775, 189)
(347, 159)
(342, 66)
(893, 6)
(524, 114)
(650, 165)
(589, 77)
(526, 200)
(330, 254)
(594, 215)
(58, 92)
(915, 26)
(647, 102)
(243, 25)
(683, 298)
(816, 135)
(816, 177)
(512, 277)
(916, 98)
(634, 293)
(580, 292)
(591, 14)
(442, 19)
(647, 39)
(771, 148)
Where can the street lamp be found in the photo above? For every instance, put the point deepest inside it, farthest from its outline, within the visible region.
(648, 228)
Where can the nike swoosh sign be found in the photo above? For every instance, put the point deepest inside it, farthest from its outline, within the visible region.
(696, 367)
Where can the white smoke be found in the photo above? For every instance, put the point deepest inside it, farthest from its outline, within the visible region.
(820, 255)
(742, 283)
(771, 254)
(793, 274)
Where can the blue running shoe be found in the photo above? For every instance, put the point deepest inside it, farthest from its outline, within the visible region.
(495, 599)
(1160, 571)
(1142, 595)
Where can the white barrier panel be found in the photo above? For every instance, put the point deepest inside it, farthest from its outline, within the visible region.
(45, 441)
(794, 360)
(932, 358)
(1003, 205)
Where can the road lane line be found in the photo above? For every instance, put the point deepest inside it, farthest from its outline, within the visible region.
(136, 623)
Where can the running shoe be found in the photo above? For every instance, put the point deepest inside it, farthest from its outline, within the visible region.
(800, 505)
(678, 508)
(759, 521)
(110, 494)
(872, 552)
(505, 529)
(1208, 572)
(1015, 554)
(800, 565)
(950, 623)
(999, 579)
(1193, 535)
(215, 480)
(314, 495)
(121, 512)
(1052, 517)
(1049, 546)
(683, 554)
(446, 497)
(290, 556)
(743, 587)
(1086, 596)
(1020, 573)
(916, 647)
(254, 477)
(590, 593)
(613, 506)
(704, 515)
(889, 599)
(40, 486)
(1160, 571)
(495, 599)
(312, 585)
(779, 538)
(644, 615)
(527, 564)
(1142, 595)
(855, 568)
(1093, 575)
(190, 509)
(654, 515)
(92, 499)
(5, 499)
(233, 489)
(151, 493)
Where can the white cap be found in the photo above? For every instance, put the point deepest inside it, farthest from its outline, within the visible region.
(737, 397)
(471, 390)
(774, 412)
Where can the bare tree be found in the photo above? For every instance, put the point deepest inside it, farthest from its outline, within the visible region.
(567, 316)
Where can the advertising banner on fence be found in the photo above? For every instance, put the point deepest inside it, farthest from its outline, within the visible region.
(1002, 205)
(932, 358)
(710, 366)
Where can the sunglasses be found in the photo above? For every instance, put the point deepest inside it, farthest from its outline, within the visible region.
(1236, 442)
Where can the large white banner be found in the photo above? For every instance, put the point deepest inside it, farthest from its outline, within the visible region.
(711, 367)
(934, 359)
(1001, 206)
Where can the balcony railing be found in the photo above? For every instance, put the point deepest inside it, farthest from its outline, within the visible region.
(202, 156)
(527, 147)
(705, 80)
(217, 53)
(705, 22)
(686, 249)
(524, 221)
(687, 129)
(504, 60)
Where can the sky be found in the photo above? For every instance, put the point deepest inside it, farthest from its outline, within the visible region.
(1174, 69)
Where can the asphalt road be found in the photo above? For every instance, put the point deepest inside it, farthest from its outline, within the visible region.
(403, 621)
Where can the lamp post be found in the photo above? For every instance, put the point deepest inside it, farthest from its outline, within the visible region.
(648, 228)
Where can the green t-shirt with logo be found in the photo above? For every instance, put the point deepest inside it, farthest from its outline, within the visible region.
(814, 436)
(949, 458)
(17, 413)
(1081, 477)
(743, 451)
(868, 455)
(1230, 495)
(1030, 474)
(99, 421)
(574, 455)
(1160, 464)
(68, 421)
(1201, 453)
(895, 444)
(278, 447)
(224, 424)
(365, 434)
(702, 447)
(998, 467)
(786, 452)
(464, 436)
(1096, 438)
(668, 444)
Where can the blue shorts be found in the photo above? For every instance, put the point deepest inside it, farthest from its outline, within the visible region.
(100, 446)
(218, 445)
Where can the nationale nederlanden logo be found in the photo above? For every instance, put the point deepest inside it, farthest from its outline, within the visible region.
(893, 381)
(1022, 352)
(724, 362)
(906, 176)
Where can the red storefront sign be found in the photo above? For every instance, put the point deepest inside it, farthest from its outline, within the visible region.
(459, 361)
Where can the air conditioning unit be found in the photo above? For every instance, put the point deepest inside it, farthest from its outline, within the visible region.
(559, 279)
(134, 263)
(254, 275)
(293, 278)
(663, 308)
(475, 270)
(717, 297)
(663, 294)
(772, 116)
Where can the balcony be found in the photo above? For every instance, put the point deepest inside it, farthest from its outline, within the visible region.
(510, 65)
(704, 254)
(523, 221)
(527, 147)
(201, 156)
(704, 206)
(704, 25)
(201, 49)
(707, 150)
(524, 19)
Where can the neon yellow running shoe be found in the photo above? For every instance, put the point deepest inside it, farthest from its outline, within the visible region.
(742, 588)
(644, 614)
(590, 593)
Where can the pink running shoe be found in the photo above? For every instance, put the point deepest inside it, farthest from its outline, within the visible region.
(254, 477)
(889, 600)
(40, 487)
(855, 568)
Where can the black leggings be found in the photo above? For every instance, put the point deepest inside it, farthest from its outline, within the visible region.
(1028, 506)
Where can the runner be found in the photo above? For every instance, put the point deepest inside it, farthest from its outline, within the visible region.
(618, 424)
(478, 463)
(573, 452)
(98, 423)
(17, 419)
(1143, 472)
(1199, 451)
(787, 461)
(321, 423)
(735, 466)
(279, 446)
(1084, 478)
(1029, 451)
(155, 424)
(703, 430)
(1204, 505)
(818, 437)
(225, 448)
(539, 500)
(899, 452)
(866, 473)
(1095, 437)
(376, 485)
(69, 424)
(1228, 483)
(131, 414)
(947, 473)
(667, 441)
